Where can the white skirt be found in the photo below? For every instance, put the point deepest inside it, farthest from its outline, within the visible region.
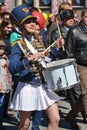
(30, 97)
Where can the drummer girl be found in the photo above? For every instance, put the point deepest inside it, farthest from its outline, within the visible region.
(30, 94)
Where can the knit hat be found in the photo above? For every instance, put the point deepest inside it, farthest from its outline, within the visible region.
(66, 14)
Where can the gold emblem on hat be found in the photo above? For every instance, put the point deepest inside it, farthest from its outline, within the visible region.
(26, 10)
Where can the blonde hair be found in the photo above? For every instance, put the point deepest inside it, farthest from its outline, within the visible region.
(63, 6)
(84, 11)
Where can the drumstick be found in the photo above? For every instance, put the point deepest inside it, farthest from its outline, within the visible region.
(59, 33)
(58, 28)
(55, 41)
(49, 47)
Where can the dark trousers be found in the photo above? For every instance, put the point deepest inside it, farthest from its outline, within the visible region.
(15, 79)
(76, 108)
(36, 120)
(75, 99)
(73, 93)
(6, 103)
(2, 99)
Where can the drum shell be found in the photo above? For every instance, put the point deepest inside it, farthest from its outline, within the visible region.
(61, 74)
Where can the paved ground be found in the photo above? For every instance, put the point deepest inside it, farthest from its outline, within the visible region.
(64, 106)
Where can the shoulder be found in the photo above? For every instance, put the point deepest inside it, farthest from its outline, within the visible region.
(3, 63)
(14, 37)
(15, 48)
(74, 30)
(54, 31)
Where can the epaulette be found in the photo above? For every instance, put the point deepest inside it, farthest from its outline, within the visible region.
(22, 46)
(19, 41)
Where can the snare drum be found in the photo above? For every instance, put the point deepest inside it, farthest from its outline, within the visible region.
(61, 74)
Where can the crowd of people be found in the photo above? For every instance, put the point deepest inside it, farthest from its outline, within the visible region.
(25, 33)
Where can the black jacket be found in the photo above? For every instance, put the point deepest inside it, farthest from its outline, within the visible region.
(76, 44)
(55, 35)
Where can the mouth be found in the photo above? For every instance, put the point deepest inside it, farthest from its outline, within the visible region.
(32, 27)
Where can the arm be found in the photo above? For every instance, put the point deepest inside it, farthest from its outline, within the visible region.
(70, 43)
(1, 86)
(17, 62)
(59, 44)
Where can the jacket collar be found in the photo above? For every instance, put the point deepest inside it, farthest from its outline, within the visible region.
(83, 27)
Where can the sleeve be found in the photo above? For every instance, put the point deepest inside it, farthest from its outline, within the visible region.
(70, 44)
(54, 51)
(17, 62)
(54, 35)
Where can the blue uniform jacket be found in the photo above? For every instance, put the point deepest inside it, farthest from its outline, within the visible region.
(19, 64)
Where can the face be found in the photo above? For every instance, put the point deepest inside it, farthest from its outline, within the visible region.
(37, 29)
(46, 23)
(6, 17)
(68, 7)
(76, 18)
(8, 29)
(29, 25)
(69, 22)
(84, 18)
(1, 50)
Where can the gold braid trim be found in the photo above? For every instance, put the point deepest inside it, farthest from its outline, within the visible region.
(13, 44)
(23, 43)
(38, 37)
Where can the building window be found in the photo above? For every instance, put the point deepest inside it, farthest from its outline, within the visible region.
(45, 2)
(30, 2)
(78, 2)
(1, 2)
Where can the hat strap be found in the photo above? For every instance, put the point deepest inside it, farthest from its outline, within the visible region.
(16, 21)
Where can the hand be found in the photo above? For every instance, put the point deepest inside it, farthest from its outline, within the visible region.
(6, 91)
(1, 87)
(36, 56)
(60, 42)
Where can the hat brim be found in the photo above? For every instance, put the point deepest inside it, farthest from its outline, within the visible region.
(29, 17)
(67, 18)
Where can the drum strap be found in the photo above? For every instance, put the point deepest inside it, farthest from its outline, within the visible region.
(32, 49)
(23, 50)
(36, 66)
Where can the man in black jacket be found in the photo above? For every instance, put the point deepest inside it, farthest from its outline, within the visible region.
(67, 17)
(76, 47)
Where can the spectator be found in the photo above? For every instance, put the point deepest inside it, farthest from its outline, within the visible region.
(5, 15)
(76, 48)
(76, 17)
(67, 17)
(6, 29)
(5, 80)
